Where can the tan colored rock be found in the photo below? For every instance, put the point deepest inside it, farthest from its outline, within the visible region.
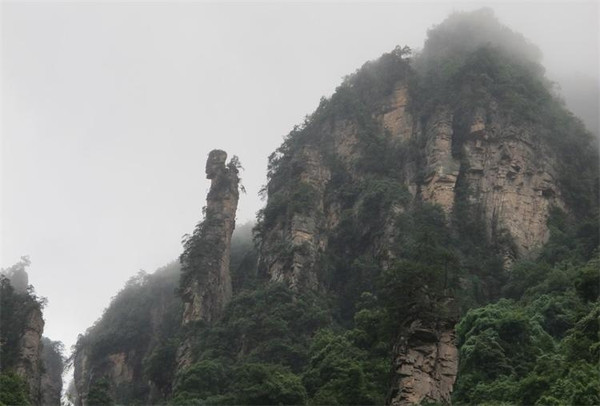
(209, 288)
(442, 168)
(514, 179)
(396, 119)
(426, 363)
(29, 363)
(290, 249)
(121, 371)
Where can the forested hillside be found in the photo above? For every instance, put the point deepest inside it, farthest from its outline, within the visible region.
(430, 236)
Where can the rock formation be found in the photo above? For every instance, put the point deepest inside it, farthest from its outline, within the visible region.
(51, 380)
(396, 141)
(29, 364)
(206, 282)
(153, 308)
(209, 286)
(480, 156)
(425, 365)
(23, 350)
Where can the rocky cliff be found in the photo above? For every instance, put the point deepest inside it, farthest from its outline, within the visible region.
(409, 196)
(133, 352)
(29, 364)
(206, 280)
(400, 133)
(51, 379)
(206, 285)
(24, 351)
(117, 359)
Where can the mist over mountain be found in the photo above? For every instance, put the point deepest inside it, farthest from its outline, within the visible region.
(429, 235)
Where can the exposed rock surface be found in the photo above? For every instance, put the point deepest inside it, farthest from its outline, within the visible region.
(340, 188)
(480, 155)
(506, 168)
(209, 288)
(120, 369)
(29, 364)
(109, 352)
(207, 282)
(24, 350)
(51, 380)
(425, 364)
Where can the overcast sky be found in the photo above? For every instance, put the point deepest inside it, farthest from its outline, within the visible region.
(109, 111)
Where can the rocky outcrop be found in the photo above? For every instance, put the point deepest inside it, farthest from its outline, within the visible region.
(441, 167)
(291, 248)
(24, 351)
(29, 364)
(51, 380)
(114, 358)
(209, 286)
(425, 365)
(477, 156)
(206, 281)
(506, 170)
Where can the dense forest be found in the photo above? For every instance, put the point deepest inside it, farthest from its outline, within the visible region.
(430, 236)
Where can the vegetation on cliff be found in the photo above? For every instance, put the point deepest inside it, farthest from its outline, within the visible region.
(30, 365)
(385, 258)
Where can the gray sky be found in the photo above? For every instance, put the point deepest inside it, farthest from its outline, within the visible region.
(109, 111)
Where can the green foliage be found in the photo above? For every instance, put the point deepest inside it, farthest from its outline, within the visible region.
(202, 382)
(53, 362)
(267, 384)
(16, 309)
(541, 349)
(13, 390)
(159, 365)
(140, 321)
(99, 393)
(356, 99)
(341, 373)
(265, 332)
(470, 62)
(243, 258)
(210, 382)
(265, 324)
(538, 345)
(197, 248)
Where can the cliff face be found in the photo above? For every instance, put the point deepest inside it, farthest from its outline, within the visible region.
(400, 203)
(206, 280)
(506, 168)
(51, 380)
(132, 354)
(206, 259)
(24, 351)
(478, 154)
(113, 360)
(425, 365)
(30, 361)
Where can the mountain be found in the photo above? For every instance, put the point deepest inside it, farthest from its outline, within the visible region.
(430, 235)
(30, 365)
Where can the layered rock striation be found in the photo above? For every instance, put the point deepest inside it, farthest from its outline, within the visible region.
(476, 154)
(24, 349)
(206, 280)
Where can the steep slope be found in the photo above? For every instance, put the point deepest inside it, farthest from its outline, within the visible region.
(26, 357)
(128, 354)
(427, 185)
(206, 283)
(206, 280)
(472, 127)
